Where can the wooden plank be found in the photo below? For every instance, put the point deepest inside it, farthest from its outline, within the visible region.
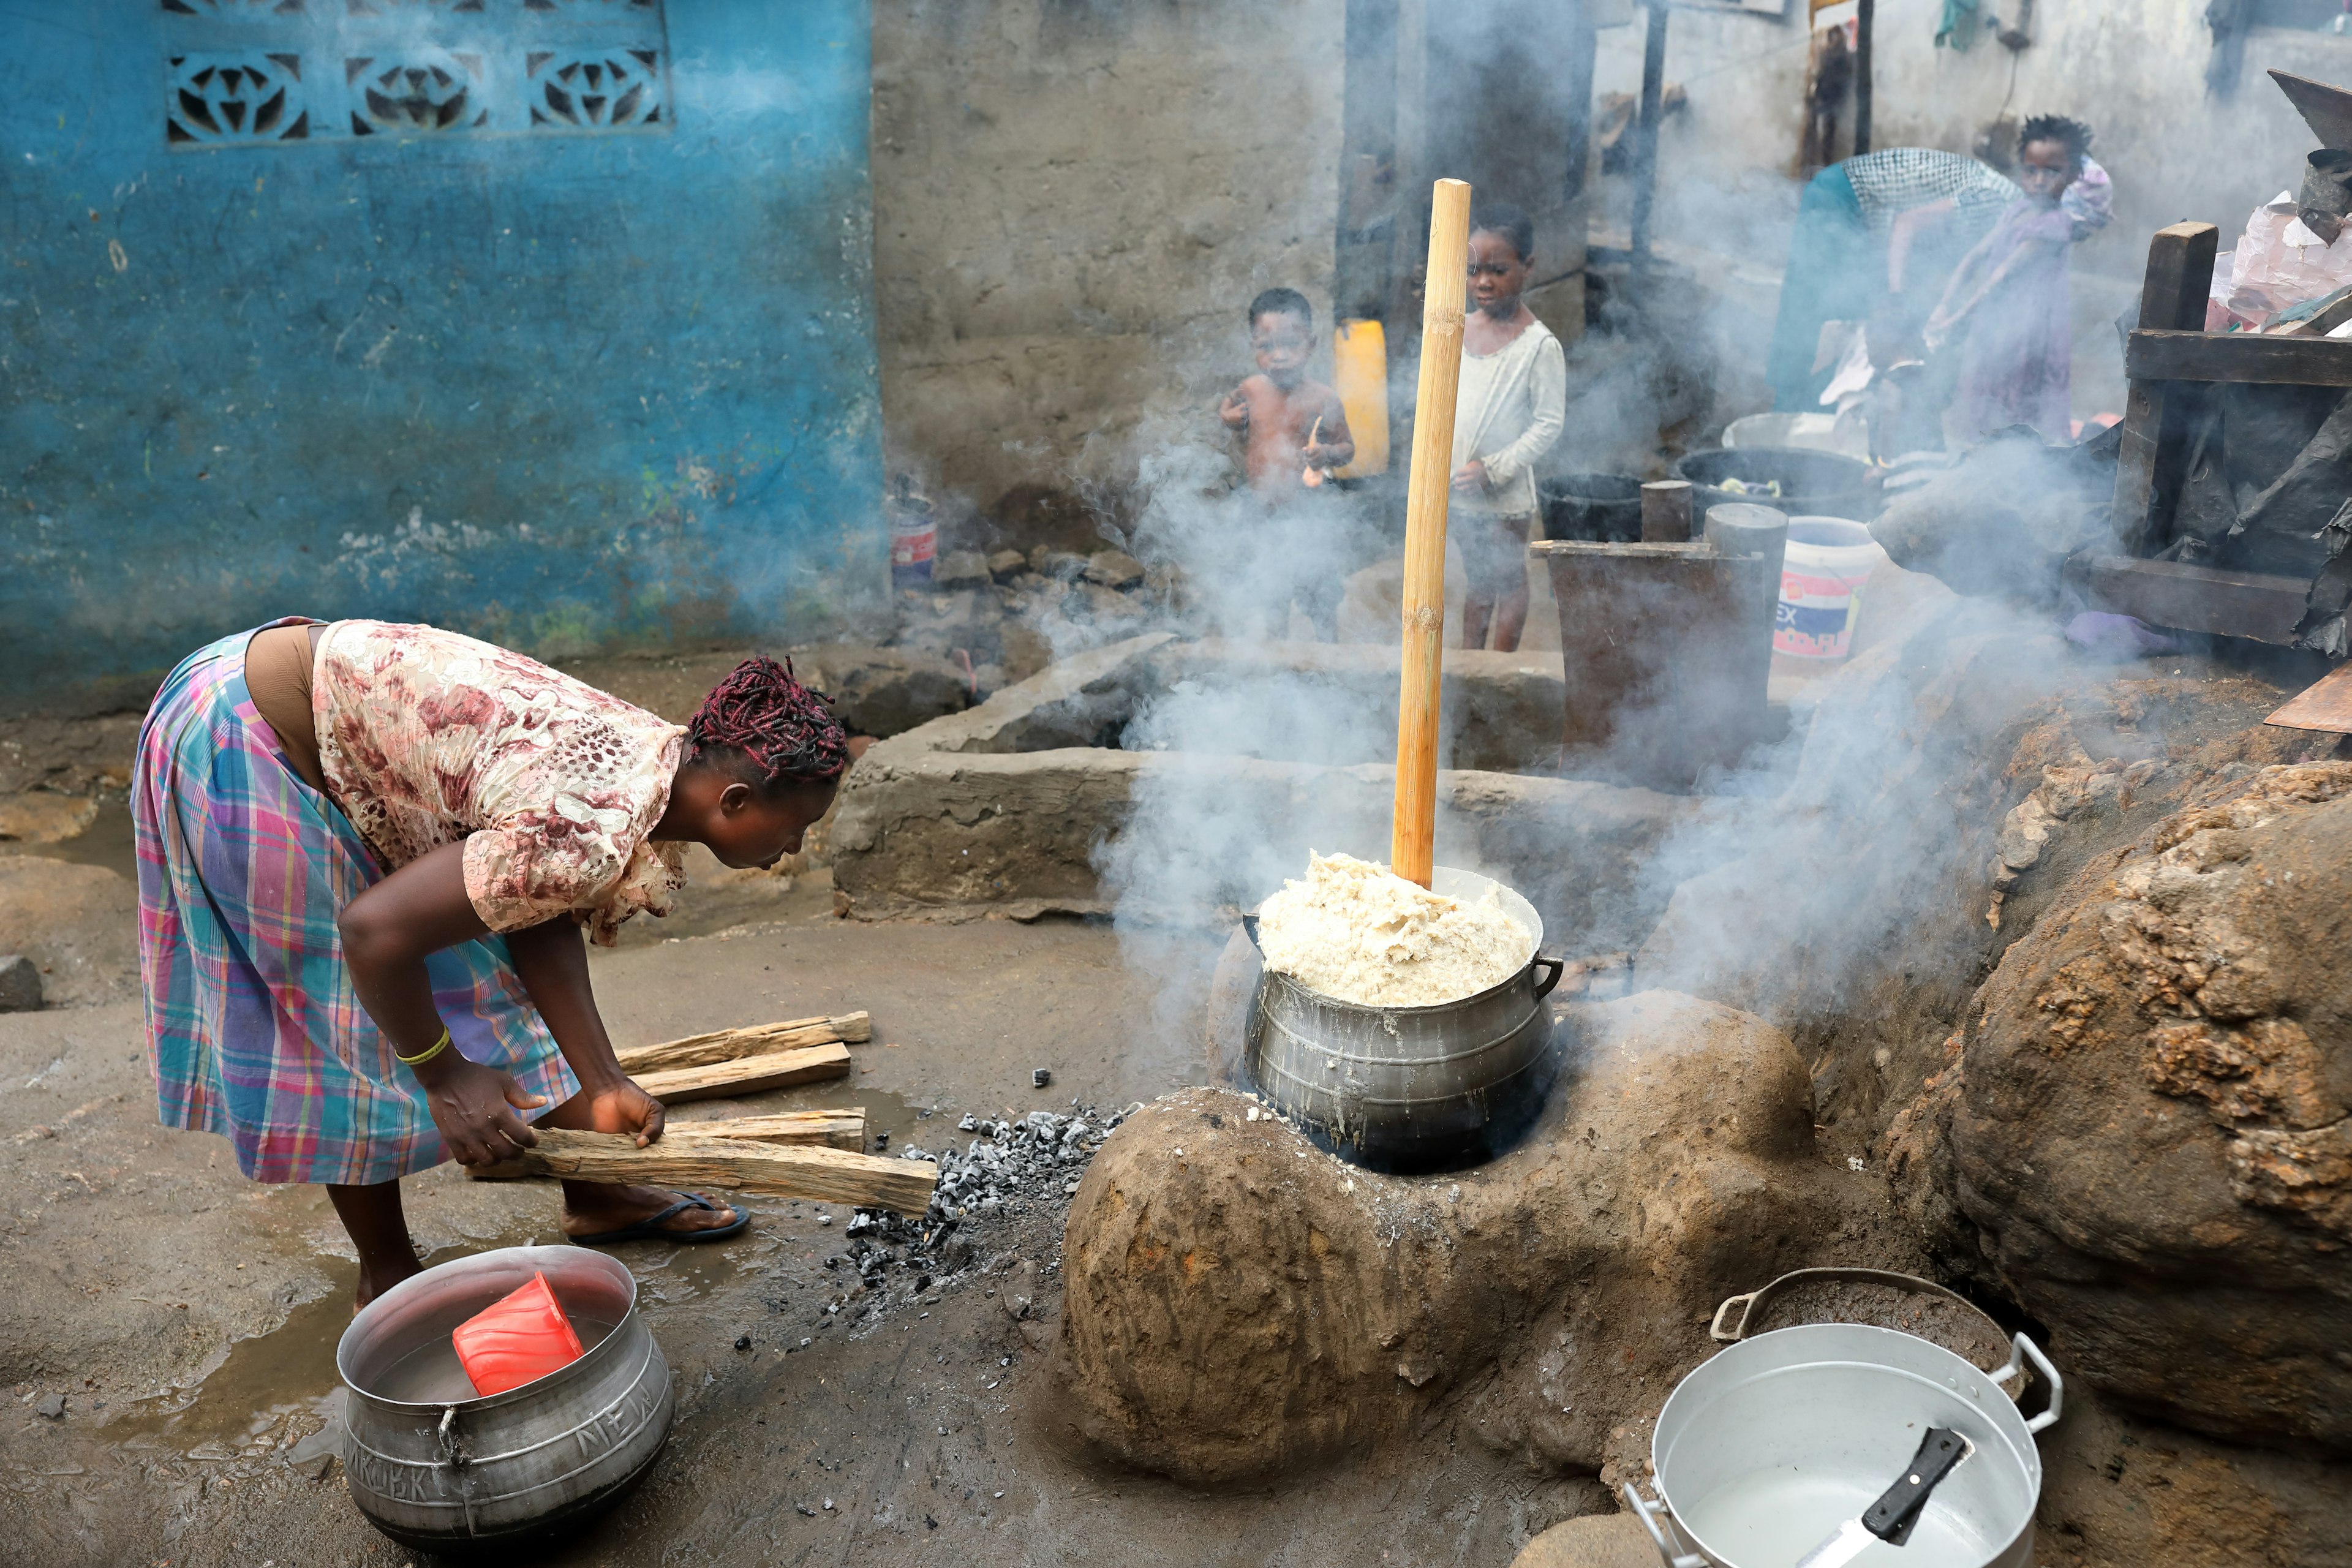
(842, 1128)
(2325, 704)
(748, 1075)
(827, 1175)
(2252, 604)
(2262, 358)
(758, 1040)
(2153, 451)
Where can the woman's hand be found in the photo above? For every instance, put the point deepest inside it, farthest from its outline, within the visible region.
(474, 1106)
(1470, 479)
(623, 1106)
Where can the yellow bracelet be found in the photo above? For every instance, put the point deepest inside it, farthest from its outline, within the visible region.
(426, 1054)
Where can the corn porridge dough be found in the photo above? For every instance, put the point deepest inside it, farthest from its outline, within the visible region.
(1354, 930)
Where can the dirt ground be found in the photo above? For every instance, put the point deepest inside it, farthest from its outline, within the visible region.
(188, 1317)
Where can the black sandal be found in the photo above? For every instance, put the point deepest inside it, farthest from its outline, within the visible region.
(651, 1228)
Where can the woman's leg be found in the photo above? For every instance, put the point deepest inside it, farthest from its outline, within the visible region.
(591, 1209)
(373, 1217)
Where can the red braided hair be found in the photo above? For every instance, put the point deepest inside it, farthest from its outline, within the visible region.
(787, 731)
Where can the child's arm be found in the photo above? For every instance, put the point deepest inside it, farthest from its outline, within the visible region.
(1547, 388)
(1940, 327)
(1959, 282)
(1234, 410)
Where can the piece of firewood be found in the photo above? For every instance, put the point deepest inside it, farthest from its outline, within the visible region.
(840, 1127)
(735, 1165)
(748, 1074)
(759, 1040)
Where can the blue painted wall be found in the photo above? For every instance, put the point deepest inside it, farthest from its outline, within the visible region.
(398, 308)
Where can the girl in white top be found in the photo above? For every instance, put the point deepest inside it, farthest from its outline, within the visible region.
(1513, 403)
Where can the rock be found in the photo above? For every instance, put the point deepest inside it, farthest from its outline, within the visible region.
(1007, 564)
(52, 1405)
(884, 691)
(1114, 569)
(1596, 1541)
(1237, 1302)
(79, 924)
(40, 817)
(962, 569)
(1065, 565)
(2148, 1121)
(1039, 1077)
(20, 985)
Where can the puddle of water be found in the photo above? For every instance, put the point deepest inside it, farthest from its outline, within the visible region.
(271, 1391)
(279, 1391)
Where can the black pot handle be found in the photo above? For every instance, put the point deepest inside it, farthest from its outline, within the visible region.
(1558, 968)
(1249, 929)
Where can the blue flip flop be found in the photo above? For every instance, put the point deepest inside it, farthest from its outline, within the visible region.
(650, 1228)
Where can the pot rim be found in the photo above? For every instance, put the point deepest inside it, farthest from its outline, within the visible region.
(2017, 1436)
(1535, 956)
(592, 1357)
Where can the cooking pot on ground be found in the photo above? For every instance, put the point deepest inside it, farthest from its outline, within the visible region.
(1768, 1448)
(435, 1466)
(1407, 1089)
(1811, 482)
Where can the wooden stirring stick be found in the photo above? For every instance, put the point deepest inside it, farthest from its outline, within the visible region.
(1412, 832)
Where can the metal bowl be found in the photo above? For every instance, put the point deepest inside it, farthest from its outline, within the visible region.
(1409, 1087)
(435, 1466)
(1767, 1448)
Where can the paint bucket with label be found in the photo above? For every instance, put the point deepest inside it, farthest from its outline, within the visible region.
(914, 536)
(1822, 574)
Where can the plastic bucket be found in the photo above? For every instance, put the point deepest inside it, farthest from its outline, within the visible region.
(1827, 560)
(1815, 432)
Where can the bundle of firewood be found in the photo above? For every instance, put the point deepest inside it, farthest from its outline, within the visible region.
(814, 1155)
(731, 1062)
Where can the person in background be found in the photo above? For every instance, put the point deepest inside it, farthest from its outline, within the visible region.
(1291, 427)
(1294, 432)
(1885, 225)
(2010, 295)
(1512, 407)
(368, 855)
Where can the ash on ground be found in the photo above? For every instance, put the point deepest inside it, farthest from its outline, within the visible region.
(1004, 1195)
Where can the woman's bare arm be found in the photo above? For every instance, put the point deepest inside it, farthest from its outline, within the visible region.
(387, 932)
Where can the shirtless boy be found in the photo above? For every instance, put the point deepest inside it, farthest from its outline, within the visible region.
(1289, 424)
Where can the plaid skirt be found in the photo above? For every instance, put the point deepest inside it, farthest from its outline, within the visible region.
(252, 1025)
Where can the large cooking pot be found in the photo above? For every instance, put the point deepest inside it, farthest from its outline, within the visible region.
(1767, 1448)
(1591, 506)
(1409, 1087)
(1812, 482)
(436, 1466)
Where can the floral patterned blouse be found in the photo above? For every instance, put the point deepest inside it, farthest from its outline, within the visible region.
(428, 738)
